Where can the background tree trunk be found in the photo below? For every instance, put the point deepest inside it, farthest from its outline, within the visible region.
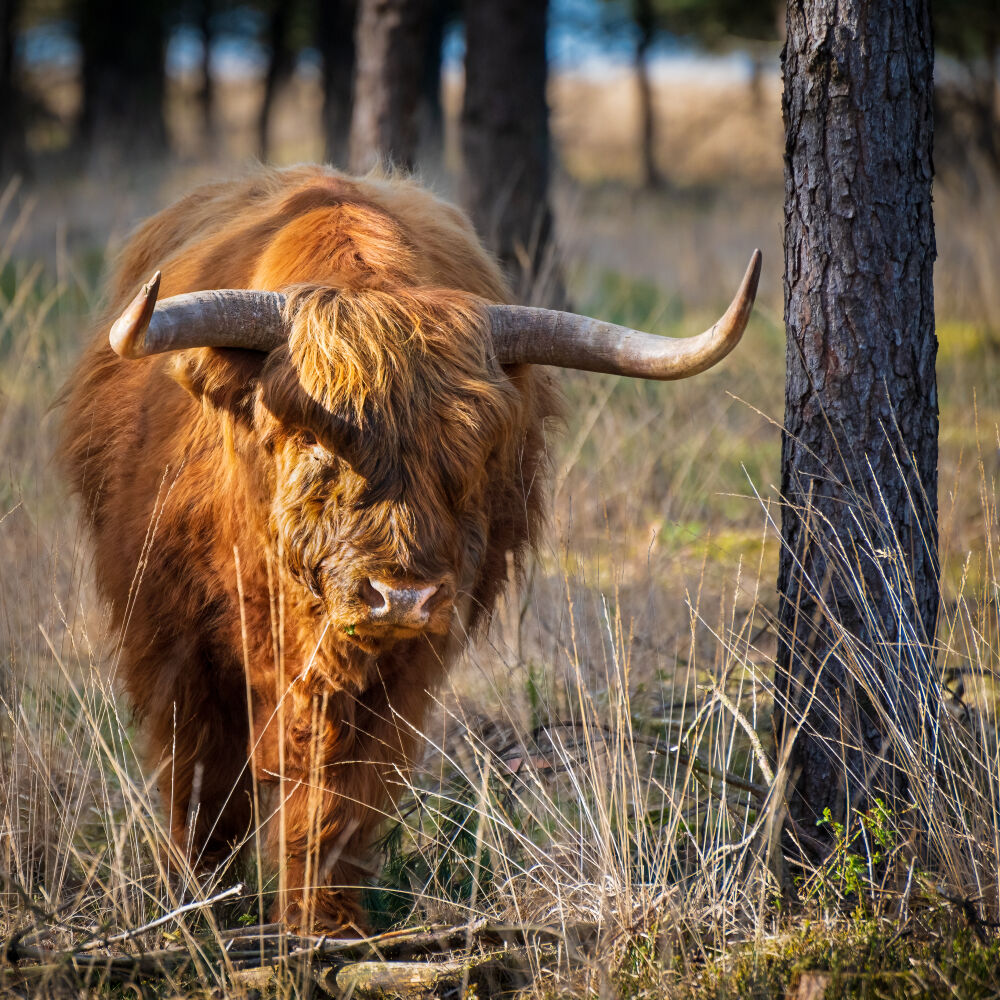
(858, 573)
(645, 20)
(206, 92)
(390, 50)
(431, 108)
(11, 119)
(336, 40)
(984, 90)
(123, 47)
(280, 64)
(505, 133)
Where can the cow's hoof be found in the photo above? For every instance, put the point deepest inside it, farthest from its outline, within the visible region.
(339, 919)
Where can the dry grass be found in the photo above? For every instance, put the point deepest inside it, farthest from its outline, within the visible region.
(605, 756)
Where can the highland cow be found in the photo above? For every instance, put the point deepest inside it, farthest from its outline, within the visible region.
(305, 470)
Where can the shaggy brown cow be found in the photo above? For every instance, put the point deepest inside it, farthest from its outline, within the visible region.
(302, 502)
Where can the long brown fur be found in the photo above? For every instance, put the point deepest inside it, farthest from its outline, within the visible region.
(382, 440)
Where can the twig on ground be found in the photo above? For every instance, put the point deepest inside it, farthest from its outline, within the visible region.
(198, 904)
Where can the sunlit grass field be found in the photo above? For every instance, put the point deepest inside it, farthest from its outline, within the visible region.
(602, 764)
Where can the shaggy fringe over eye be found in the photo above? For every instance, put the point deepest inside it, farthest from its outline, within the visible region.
(408, 374)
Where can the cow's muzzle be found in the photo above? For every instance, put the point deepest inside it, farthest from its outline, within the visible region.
(406, 603)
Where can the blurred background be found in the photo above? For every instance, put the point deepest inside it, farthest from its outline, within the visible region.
(680, 95)
(112, 108)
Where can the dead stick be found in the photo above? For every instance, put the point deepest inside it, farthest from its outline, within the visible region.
(409, 938)
(394, 944)
(198, 904)
(376, 979)
(85, 965)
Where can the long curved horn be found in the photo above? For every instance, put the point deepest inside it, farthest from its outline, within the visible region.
(527, 335)
(224, 317)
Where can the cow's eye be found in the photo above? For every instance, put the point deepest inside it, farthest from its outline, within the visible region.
(312, 446)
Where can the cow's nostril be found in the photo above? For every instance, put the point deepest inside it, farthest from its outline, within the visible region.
(435, 599)
(371, 596)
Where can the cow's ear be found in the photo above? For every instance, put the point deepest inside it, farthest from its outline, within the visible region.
(224, 378)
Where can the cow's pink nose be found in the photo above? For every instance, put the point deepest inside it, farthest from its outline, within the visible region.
(402, 603)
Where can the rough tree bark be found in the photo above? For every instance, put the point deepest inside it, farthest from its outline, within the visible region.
(336, 42)
(505, 133)
(123, 75)
(858, 573)
(390, 48)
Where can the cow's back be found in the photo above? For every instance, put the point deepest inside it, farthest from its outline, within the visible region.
(308, 224)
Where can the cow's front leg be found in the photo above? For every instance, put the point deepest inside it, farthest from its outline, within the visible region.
(324, 861)
(197, 742)
(344, 771)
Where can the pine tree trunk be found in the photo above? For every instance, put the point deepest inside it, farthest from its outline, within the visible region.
(336, 41)
(858, 574)
(505, 133)
(206, 92)
(390, 49)
(11, 121)
(279, 69)
(123, 46)
(431, 108)
(645, 22)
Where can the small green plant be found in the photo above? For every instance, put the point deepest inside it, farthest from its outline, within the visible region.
(849, 873)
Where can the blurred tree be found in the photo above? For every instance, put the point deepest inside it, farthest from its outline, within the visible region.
(280, 66)
(969, 30)
(390, 50)
(337, 19)
(11, 118)
(206, 92)
(753, 26)
(715, 25)
(442, 14)
(721, 24)
(123, 75)
(505, 135)
(644, 15)
(207, 20)
(858, 584)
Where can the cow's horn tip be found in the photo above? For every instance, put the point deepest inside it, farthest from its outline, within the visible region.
(753, 270)
(128, 328)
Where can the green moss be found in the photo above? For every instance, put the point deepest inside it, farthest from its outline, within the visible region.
(859, 959)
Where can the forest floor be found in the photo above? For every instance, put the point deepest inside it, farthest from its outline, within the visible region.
(602, 763)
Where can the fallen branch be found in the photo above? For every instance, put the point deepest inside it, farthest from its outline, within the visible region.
(486, 973)
(257, 955)
(86, 966)
(264, 942)
(198, 904)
